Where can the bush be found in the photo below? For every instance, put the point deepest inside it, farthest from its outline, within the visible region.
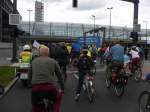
(7, 74)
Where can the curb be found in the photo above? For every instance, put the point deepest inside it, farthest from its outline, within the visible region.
(7, 88)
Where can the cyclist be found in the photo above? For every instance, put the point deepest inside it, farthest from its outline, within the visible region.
(117, 57)
(134, 57)
(26, 55)
(43, 81)
(84, 66)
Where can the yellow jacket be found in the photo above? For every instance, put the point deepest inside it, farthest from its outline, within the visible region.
(25, 56)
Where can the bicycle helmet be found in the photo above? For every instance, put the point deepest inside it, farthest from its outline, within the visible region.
(85, 51)
(26, 47)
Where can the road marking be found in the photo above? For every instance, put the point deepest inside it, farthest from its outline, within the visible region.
(76, 76)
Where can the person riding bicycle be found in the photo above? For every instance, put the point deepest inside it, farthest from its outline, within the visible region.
(135, 57)
(117, 56)
(84, 66)
(26, 55)
(43, 72)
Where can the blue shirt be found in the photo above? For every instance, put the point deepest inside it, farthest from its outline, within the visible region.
(126, 59)
(76, 47)
(117, 53)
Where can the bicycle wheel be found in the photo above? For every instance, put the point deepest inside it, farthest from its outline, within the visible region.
(138, 74)
(144, 101)
(91, 93)
(108, 78)
(119, 89)
(93, 70)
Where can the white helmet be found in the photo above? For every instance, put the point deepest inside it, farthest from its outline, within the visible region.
(26, 47)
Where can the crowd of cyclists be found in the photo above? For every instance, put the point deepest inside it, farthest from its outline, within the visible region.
(50, 60)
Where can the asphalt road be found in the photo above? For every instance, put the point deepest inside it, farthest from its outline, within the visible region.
(18, 98)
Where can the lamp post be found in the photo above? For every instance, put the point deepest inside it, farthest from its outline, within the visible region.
(110, 21)
(94, 25)
(29, 21)
(15, 35)
(146, 22)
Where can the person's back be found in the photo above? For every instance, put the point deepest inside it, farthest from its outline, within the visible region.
(43, 72)
(26, 55)
(84, 63)
(134, 54)
(117, 53)
(43, 69)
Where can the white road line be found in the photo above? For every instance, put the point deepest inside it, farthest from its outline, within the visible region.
(76, 76)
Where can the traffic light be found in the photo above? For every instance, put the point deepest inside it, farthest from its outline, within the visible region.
(134, 36)
(75, 3)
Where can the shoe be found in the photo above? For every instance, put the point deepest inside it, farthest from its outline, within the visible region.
(77, 97)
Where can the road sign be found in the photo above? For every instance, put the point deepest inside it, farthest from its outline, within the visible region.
(14, 19)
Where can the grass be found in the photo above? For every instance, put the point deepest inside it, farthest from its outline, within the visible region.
(7, 74)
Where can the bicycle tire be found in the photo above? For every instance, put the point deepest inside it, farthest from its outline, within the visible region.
(94, 70)
(91, 93)
(138, 74)
(108, 79)
(117, 87)
(141, 103)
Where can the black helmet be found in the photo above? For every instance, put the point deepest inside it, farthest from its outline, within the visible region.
(84, 51)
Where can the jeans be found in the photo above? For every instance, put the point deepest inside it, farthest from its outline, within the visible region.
(48, 91)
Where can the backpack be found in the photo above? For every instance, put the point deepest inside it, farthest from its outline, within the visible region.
(84, 63)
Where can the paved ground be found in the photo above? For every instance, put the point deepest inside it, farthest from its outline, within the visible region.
(18, 98)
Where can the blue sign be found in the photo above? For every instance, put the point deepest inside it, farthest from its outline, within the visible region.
(90, 40)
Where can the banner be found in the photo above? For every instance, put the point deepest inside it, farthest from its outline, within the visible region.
(36, 44)
(90, 40)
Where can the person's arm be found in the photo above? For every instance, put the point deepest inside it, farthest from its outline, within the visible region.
(59, 76)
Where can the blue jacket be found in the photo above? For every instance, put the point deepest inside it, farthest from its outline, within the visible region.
(76, 47)
(117, 53)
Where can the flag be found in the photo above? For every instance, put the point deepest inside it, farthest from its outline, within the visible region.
(36, 44)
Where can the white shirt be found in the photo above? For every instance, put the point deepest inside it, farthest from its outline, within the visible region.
(134, 54)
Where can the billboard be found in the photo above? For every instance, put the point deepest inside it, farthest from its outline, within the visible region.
(90, 40)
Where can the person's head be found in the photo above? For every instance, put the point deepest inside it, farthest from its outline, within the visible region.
(134, 48)
(44, 51)
(84, 51)
(26, 47)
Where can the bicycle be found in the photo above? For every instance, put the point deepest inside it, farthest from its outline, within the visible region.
(137, 71)
(144, 101)
(89, 87)
(117, 77)
(46, 105)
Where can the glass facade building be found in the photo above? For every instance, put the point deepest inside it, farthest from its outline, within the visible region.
(55, 29)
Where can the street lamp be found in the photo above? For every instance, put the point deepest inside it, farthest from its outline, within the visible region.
(110, 21)
(29, 20)
(146, 22)
(94, 24)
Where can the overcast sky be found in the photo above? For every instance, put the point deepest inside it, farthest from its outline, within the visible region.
(62, 11)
